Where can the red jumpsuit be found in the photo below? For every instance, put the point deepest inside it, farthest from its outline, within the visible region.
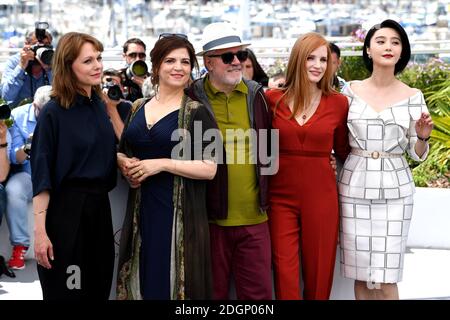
(303, 197)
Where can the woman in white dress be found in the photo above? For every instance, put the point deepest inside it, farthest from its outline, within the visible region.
(386, 118)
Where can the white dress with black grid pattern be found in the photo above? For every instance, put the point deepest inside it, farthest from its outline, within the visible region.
(376, 195)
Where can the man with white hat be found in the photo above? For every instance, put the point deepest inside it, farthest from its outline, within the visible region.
(237, 198)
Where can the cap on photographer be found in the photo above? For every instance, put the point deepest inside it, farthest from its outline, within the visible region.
(136, 70)
(30, 68)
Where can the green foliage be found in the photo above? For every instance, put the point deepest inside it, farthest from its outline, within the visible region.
(441, 130)
(436, 166)
(353, 68)
(438, 101)
(278, 66)
(426, 76)
(435, 85)
(438, 98)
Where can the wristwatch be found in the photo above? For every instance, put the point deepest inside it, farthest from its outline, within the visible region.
(424, 139)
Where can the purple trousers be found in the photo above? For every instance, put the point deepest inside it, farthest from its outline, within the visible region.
(245, 253)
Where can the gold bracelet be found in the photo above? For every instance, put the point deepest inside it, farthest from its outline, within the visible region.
(40, 212)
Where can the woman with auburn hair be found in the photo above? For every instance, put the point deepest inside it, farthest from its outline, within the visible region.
(386, 119)
(311, 119)
(73, 162)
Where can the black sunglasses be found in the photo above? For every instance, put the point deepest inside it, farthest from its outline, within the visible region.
(228, 57)
(133, 55)
(168, 35)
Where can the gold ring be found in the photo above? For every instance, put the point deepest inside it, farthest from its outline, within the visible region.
(140, 172)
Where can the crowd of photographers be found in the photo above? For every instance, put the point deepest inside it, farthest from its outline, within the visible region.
(25, 88)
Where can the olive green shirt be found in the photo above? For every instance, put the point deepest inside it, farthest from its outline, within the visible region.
(232, 117)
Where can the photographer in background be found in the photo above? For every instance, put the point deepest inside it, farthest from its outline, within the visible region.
(29, 69)
(338, 82)
(136, 70)
(116, 107)
(5, 145)
(19, 187)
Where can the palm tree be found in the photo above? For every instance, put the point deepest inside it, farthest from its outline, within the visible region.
(438, 101)
(437, 166)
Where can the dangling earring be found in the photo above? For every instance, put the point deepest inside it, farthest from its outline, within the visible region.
(156, 91)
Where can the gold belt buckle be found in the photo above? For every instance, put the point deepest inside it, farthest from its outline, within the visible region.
(375, 155)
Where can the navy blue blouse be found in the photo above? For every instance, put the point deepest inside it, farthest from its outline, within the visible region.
(71, 144)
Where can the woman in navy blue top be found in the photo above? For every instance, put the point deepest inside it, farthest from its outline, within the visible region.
(73, 161)
(164, 247)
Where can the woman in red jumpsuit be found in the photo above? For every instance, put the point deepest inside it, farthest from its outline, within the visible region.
(311, 118)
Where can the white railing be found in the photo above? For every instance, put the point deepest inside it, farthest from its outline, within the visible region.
(266, 49)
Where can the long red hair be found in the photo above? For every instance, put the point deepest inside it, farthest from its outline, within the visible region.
(297, 86)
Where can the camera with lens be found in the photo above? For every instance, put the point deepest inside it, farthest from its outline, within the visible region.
(136, 69)
(5, 112)
(41, 50)
(113, 90)
(27, 146)
(133, 90)
(5, 115)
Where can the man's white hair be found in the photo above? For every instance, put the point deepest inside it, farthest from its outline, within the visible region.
(42, 95)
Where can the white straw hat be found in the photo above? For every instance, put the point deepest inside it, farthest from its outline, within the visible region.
(220, 35)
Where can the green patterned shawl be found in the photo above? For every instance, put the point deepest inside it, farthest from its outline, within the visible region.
(128, 280)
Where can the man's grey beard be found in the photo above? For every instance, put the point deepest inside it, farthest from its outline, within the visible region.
(232, 82)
